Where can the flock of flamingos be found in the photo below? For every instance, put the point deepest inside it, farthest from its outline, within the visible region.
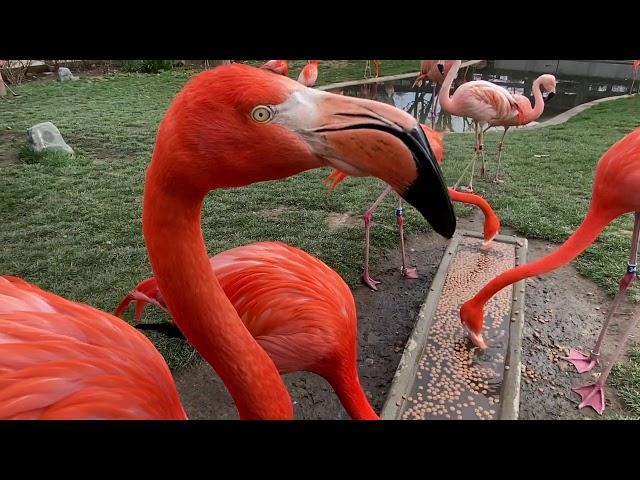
(257, 311)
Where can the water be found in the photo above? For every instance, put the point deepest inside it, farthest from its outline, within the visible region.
(418, 101)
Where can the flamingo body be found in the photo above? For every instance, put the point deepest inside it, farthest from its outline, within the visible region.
(65, 360)
(296, 307)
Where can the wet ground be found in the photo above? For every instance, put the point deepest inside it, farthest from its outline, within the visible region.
(562, 309)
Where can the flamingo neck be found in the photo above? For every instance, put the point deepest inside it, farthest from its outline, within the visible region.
(539, 102)
(471, 199)
(445, 100)
(594, 222)
(198, 305)
(346, 384)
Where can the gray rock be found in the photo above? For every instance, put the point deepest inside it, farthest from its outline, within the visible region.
(46, 136)
(65, 74)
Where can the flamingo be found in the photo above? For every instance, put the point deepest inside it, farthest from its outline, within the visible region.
(485, 102)
(634, 68)
(526, 113)
(376, 68)
(281, 67)
(309, 74)
(435, 71)
(229, 126)
(299, 310)
(491, 220)
(616, 191)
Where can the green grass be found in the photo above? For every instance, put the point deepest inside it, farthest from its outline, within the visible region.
(73, 226)
(627, 379)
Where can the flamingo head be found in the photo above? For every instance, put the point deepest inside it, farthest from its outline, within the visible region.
(472, 316)
(548, 83)
(236, 125)
(491, 229)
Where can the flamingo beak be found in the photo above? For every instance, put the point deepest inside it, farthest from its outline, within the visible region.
(440, 67)
(368, 138)
(550, 95)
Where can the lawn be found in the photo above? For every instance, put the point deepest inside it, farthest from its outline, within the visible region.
(73, 226)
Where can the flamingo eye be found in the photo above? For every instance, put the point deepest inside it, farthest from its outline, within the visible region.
(262, 114)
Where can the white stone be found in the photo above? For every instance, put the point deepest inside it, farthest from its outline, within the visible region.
(46, 136)
(65, 74)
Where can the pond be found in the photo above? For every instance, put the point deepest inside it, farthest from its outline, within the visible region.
(570, 92)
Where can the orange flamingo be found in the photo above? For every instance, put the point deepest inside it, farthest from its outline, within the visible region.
(229, 126)
(526, 113)
(491, 220)
(309, 74)
(485, 102)
(298, 309)
(616, 191)
(435, 71)
(281, 67)
(376, 68)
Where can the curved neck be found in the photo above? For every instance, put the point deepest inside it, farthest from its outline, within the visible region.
(198, 305)
(585, 235)
(445, 100)
(538, 108)
(347, 386)
(472, 199)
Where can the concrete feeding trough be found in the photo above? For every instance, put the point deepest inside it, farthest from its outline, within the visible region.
(441, 374)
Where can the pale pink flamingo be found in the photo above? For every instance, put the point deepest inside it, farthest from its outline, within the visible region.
(485, 102)
(435, 71)
(309, 74)
(526, 113)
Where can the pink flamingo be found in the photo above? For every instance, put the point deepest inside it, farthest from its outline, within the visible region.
(526, 113)
(485, 102)
(309, 74)
(491, 220)
(281, 67)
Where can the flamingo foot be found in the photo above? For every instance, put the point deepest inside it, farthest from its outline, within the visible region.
(498, 180)
(592, 396)
(410, 272)
(467, 189)
(370, 282)
(582, 362)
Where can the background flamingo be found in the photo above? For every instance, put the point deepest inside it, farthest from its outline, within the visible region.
(526, 113)
(616, 191)
(309, 74)
(435, 71)
(491, 221)
(376, 68)
(298, 309)
(485, 102)
(281, 67)
(251, 126)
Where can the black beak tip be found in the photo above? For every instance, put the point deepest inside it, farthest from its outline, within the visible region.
(550, 95)
(440, 68)
(429, 193)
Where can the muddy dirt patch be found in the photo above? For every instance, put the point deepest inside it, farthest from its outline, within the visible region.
(10, 141)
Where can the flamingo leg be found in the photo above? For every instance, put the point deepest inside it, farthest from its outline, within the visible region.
(436, 93)
(406, 272)
(585, 362)
(368, 217)
(469, 188)
(593, 395)
(481, 147)
(500, 145)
